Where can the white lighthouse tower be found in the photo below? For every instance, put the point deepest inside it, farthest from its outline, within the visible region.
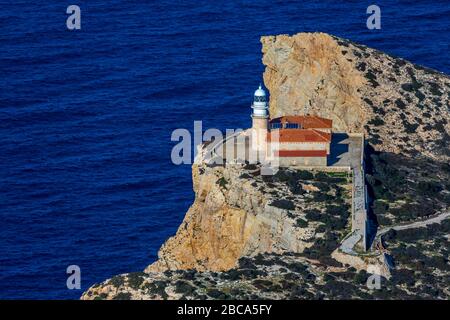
(260, 118)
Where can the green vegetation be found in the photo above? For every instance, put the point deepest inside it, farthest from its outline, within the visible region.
(117, 281)
(402, 193)
(157, 288)
(377, 121)
(283, 204)
(123, 296)
(410, 127)
(301, 223)
(370, 75)
(222, 182)
(183, 287)
(135, 279)
(435, 89)
(400, 104)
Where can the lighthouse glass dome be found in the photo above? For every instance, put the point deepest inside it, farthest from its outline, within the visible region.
(259, 103)
(260, 98)
(260, 95)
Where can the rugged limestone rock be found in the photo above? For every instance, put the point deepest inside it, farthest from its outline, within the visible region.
(232, 216)
(307, 73)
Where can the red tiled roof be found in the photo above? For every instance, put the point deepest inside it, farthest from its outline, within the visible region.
(301, 153)
(306, 122)
(298, 135)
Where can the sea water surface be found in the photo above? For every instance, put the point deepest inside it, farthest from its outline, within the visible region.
(86, 116)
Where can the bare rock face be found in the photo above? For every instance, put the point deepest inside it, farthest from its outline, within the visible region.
(402, 107)
(231, 217)
(212, 234)
(308, 74)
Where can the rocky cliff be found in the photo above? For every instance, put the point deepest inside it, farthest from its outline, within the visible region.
(248, 235)
(233, 216)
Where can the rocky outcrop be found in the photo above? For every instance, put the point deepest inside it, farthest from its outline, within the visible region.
(308, 74)
(231, 217)
(402, 107)
(375, 264)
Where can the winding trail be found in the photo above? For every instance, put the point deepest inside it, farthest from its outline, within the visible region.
(351, 240)
(416, 224)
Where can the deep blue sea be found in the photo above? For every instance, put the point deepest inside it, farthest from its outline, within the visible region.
(86, 116)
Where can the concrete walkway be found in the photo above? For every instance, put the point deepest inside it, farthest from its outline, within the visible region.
(345, 151)
(416, 224)
(350, 242)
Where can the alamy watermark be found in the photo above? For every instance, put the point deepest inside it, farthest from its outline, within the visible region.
(374, 280)
(236, 146)
(73, 21)
(374, 20)
(74, 280)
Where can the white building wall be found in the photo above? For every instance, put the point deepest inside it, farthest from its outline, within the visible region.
(302, 146)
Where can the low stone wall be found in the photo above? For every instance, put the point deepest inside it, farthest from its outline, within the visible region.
(302, 161)
(324, 169)
(379, 264)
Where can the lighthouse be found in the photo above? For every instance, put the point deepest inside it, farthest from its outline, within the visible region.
(260, 116)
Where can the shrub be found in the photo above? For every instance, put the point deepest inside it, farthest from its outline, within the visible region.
(301, 223)
(385, 221)
(183, 287)
(399, 103)
(361, 66)
(313, 214)
(246, 263)
(222, 182)
(399, 62)
(374, 141)
(117, 281)
(322, 197)
(304, 175)
(322, 186)
(245, 176)
(372, 78)
(435, 89)
(250, 167)
(360, 277)
(135, 279)
(231, 274)
(216, 294)
(283, 204)
(158, 288)
(404, 276)
(295, 187)
(380, 207)
(429, 187)
(261, 284)
(439, 126)
(419, 95)
(410, 127)
(122, 296)
(337, 210)
(281, 176)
